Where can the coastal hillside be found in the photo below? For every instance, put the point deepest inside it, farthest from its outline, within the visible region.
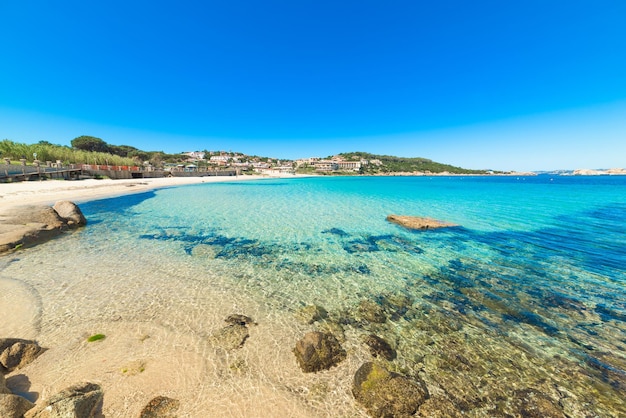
(381, 164)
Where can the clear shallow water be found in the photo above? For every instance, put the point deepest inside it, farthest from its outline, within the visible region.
(527, 295)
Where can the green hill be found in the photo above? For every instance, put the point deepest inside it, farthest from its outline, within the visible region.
(391, 164)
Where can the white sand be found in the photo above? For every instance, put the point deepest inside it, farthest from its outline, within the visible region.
(51, 191)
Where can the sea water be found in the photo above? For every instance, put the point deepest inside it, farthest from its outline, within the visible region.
(524, 299)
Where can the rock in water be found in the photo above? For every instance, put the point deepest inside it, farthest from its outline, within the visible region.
(318, 351)
(379, 347)
(160, 407)
(240, 320)
(82, 400)
(230, 337)
(312, 313)
(416, 222)
(70, 212)
(387, 394)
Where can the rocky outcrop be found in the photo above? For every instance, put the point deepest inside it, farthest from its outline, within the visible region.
(82, 400)
(318, 351)
(30, 225)
(418, 223)
(387, 394)
(16, 353)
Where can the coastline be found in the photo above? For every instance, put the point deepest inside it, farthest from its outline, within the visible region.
(79, 191)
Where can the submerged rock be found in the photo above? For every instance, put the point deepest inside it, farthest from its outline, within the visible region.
(370, 311)
(238, 319)
(81, 400)
(379, 347)
(534, 404)
(160, 407)
(312, 313)
(318, 351)
(387, 394)
(230, 338)
(417, 222)
(16, 353)
(438, 407)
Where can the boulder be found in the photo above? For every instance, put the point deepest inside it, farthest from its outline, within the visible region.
(16, 353)
(419, 223)
(70, 212)
(33, 224)
(387, 394)
(318, 351)
(379, 347)
(13, 406)
(160, 407)
(83, 400)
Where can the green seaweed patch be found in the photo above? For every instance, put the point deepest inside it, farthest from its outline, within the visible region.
(96, 337)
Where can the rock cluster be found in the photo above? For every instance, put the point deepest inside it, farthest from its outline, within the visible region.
(30, 225)
(418, 223)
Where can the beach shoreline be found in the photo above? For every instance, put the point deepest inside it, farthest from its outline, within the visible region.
(49, 192)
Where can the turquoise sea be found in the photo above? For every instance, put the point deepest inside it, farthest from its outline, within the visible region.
(525, 299)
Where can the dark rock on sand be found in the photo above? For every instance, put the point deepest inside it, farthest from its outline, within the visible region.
(70, 212)
(16, 353)
(14, 406)
(387, 394)
(82, 400)
(160, 407)
(311, 313)
(419, 223)
(318, 351)
(230, 338)
(379, 347)
(237, 319)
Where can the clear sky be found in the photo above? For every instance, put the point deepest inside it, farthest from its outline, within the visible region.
(527, 85)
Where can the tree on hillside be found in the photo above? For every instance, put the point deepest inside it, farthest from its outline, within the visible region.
(90, 143)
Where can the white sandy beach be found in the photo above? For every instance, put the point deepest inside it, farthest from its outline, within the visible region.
(77, 191)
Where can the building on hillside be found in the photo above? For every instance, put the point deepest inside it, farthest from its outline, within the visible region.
(195, 155)
(349, 165)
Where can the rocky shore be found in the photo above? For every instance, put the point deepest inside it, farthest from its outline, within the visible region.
(32, 224)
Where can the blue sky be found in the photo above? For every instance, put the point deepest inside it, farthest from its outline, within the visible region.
(486, 84)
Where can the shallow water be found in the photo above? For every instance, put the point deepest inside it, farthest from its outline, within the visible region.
(528, 294)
